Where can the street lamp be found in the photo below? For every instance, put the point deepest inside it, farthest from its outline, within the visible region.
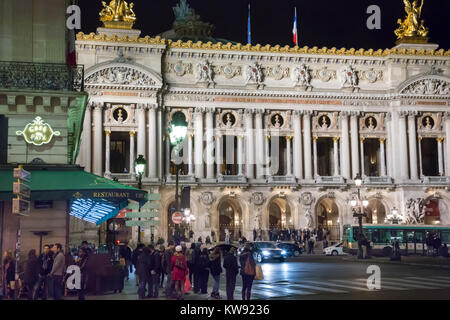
(139, 167)
(358, 206)
(394, 217)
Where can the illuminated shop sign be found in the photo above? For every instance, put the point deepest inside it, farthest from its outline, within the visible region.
(38, 132)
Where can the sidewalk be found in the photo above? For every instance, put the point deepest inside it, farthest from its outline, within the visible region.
(422, 261)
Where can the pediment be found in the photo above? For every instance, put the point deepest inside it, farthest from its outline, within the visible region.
(122, 75)
(429, 84)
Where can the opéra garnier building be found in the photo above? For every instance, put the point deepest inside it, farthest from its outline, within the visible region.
(275, 135)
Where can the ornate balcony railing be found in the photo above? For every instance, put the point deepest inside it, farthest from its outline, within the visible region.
(41, 76)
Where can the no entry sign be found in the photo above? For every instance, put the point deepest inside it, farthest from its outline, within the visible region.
(177, 217)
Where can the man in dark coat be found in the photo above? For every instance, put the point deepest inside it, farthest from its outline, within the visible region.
(155, 272)
(143, 271)
(134, 259)
(196, 269)
(231, 271)
(46, 264)
(168, 253)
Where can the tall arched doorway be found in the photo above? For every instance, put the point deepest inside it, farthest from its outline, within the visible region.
(279, 214)
(376, 212)
(175, 232)
(327, 214)
(230, 217)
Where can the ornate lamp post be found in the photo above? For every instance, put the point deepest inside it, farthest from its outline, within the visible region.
(139, 167)
(177, 133)
(358, 207)
(394, 217)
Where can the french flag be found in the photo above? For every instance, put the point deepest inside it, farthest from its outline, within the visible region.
(294, 29)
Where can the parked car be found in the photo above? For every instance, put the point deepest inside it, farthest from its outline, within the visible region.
(334, 250)
(292, 249)
(265, 250)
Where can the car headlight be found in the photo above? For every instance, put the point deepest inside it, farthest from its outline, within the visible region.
(266, 253)
(283, 252)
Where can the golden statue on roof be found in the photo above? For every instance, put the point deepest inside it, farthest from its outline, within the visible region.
(118, 14)
(412, 29)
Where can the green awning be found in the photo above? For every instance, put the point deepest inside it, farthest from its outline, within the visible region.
(68, 183)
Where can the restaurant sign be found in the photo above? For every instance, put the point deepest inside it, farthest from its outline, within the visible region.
(38, 132)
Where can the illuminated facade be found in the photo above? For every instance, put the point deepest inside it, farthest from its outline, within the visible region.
(275, 134)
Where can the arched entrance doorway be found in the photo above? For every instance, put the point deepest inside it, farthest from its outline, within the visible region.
(230, 218)
(327, 214)
(376, 212)
(280, 217)
(175, 232)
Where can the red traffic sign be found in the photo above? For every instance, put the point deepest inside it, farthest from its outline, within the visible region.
(177, 217)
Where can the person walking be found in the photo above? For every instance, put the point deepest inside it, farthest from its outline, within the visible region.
(57, 272)
(31, 273)
(195, 268)
(45, 261)
(215, 269)
(8, 274)
(248, 271)
(143, 271)
(190, 260)
(167, 267)
(81, 262)
(231, 266)
(155, 272)
(162, 250)
(203, 270)
(134, 259)
(179, 272)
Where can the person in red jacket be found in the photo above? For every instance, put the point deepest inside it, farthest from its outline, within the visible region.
(179, 272)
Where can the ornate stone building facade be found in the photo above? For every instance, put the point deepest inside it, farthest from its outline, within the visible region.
(275, 134)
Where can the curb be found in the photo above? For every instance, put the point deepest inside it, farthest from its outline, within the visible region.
(402, 263)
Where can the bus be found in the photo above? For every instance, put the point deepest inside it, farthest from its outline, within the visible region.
(411, 238)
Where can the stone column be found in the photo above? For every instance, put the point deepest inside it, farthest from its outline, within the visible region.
(240, 155)
(259, 144)
(403, 147)
(98, 139)
(389, 145)
(267, 156)
(209, 144)
(218, 153)
(345, 151)
(198, 144)
(382, 157)
(412, 144)
(307, 144)
(354, 141)
(160, 139)
(108, 154)
(315, 157)
(86, 140)
(362, 155)
(141, 133)
(152, 143)
(190, 160)
(132, 173)
(440, 159)
(447, 142)
(249, 136)
(298, 163)
(288, 156)
(168, 155)
(336, 156)
(419, 139)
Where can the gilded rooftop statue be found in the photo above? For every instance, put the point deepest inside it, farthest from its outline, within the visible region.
(412, 28)
(118, 14)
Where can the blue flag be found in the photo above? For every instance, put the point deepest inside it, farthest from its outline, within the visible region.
(249, 33)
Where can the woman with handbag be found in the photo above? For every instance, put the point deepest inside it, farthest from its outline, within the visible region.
(248, 271)
(179, 272)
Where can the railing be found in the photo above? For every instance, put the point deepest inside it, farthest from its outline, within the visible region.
(438, 179)
(330, 179)
(281, 179)
(41, 76)
(378, 180)
(231, 178)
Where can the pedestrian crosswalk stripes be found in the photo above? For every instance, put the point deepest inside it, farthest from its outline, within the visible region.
(336, 285)
(445, 278)
(419, 284)
(383, 285)
(430, 280)
(316, 288)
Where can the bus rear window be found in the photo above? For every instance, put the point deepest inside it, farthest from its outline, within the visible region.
(445, 236)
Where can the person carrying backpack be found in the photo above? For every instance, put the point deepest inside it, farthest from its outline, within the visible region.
(248, 271)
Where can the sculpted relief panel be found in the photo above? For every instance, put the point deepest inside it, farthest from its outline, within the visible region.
(120, 76)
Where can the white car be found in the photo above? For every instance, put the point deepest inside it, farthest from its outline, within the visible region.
(334, 250)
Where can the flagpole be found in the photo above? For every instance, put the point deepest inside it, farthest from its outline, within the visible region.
(249, 32)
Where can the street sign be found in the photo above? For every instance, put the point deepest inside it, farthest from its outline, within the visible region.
(20, 206)
(141, 214)
(21, 189)
(22, 174)
(151, 205)
(177, 217)
(154, 196)
(141, 223)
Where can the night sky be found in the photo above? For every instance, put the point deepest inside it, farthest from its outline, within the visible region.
(338, 23)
